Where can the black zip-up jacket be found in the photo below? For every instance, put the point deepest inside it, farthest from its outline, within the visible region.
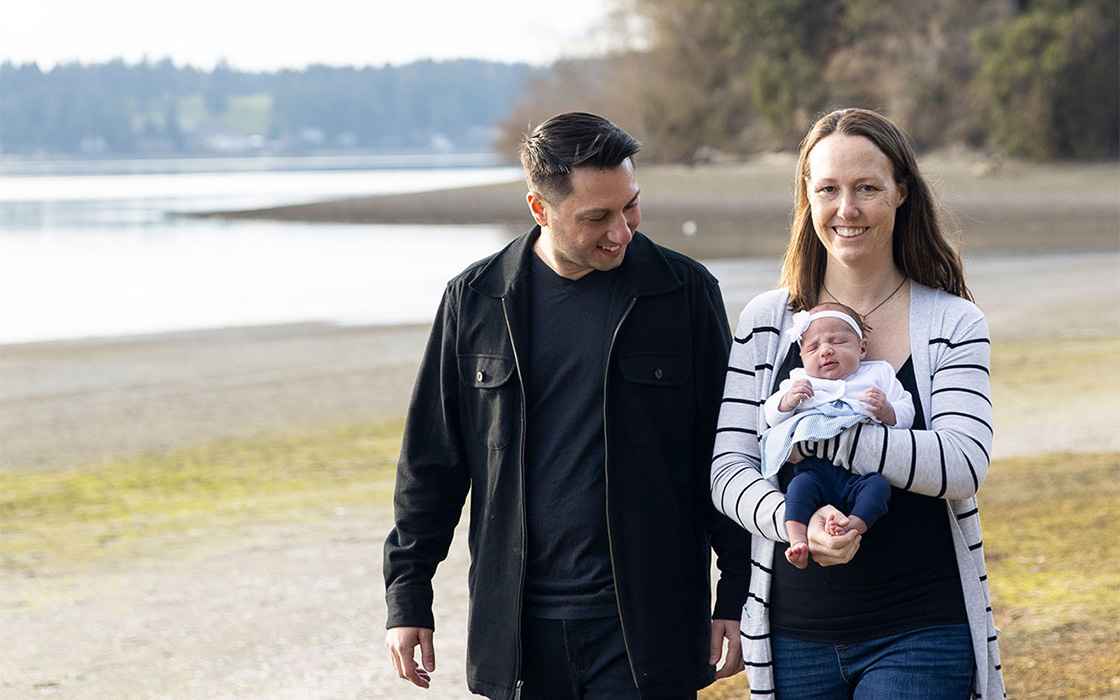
(465, 431)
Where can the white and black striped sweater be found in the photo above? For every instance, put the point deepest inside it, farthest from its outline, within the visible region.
(950, 349)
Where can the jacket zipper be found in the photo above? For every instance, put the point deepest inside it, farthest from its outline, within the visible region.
(607, 479)
(521, 501)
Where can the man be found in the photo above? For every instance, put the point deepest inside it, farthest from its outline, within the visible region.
(571, 384)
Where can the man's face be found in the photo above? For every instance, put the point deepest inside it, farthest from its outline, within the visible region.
(830, 349)
(589, 229)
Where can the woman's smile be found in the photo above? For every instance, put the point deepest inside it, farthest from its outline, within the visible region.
(853, 198)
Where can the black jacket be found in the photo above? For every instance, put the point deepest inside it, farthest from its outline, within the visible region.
(465, 431)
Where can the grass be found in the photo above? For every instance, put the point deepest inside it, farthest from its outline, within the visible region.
(1054, 569)
(1049, 521)
(53, 522)
(247, 114)
(1020, 368)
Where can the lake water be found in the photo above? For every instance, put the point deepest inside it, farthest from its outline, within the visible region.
(94, 254)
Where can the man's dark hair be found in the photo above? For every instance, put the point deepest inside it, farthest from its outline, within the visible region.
(568, 141)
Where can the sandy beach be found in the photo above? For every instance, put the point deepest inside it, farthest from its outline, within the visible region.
(294, 609)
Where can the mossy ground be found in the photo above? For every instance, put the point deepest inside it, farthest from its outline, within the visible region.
(1054, 571)
(52, 522)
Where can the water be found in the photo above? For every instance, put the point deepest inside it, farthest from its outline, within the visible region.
(96, 255)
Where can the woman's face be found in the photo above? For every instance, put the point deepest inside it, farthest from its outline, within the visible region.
(853, 198)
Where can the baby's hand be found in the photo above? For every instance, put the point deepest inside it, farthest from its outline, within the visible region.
(875, 401)
(798, 391)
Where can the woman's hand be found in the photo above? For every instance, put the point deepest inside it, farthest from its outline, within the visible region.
(826, 549)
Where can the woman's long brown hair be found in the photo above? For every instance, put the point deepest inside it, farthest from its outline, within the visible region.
(920, 247)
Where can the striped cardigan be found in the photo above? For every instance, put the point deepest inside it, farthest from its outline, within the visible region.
(950, 348)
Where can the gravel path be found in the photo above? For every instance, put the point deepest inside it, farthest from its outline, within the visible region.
(282, 612)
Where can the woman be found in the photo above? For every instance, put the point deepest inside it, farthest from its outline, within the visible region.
(904, 610)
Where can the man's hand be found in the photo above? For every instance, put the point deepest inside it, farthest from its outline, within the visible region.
(402, 643)
(733, 662)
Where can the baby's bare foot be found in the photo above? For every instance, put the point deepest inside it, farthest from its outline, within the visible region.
(832, 528)
(798, 554)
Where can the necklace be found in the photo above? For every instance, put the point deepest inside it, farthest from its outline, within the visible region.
(876, 307)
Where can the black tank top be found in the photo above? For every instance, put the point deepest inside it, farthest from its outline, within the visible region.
(903, 577)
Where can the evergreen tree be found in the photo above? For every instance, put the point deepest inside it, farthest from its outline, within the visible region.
(1050, 78)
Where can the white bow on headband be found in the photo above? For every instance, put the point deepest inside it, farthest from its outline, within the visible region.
(802, 319)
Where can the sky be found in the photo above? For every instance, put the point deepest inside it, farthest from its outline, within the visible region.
(265, 35)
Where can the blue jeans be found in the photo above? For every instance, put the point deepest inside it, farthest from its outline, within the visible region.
(933, 663)
(575, 659)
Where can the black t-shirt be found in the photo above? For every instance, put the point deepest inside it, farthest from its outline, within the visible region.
(903, 577)
(568, 574)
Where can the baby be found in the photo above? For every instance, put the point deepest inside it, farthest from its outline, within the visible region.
(835, 390)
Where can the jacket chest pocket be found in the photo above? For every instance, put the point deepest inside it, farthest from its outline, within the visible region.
(657, 398)
(488, 398)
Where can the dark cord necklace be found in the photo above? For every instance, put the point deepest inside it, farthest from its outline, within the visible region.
(873, 310)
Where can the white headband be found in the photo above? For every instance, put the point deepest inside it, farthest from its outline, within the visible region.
(802, 319)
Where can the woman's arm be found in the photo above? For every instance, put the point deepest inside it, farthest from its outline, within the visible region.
(711, 339)
(738, 487)
(950, 459)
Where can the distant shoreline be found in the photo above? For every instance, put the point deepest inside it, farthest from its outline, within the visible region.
(742, 210)
(17, 165)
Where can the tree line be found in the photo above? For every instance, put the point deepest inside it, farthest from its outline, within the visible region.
(1026, 78)
(158, 108)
